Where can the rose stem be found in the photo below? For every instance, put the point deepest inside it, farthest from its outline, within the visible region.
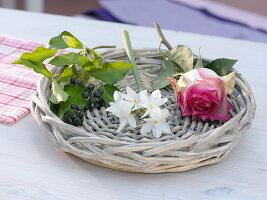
(161, 36)
(130, 54)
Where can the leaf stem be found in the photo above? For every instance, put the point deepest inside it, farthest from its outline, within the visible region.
(161, 36)
(103, 47)
(130, 54)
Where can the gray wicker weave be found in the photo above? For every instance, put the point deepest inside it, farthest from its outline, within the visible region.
(190, 144)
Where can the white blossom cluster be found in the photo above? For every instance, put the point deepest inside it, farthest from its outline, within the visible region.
(125, 105)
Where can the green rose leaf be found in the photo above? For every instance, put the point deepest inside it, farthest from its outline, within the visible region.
(70, 58)
(36, 66)
(166, 71)
(75, 97)
(182, 56)
(111, 73)
(58, 94)
(199, 63)
(65, 40)
(108, 92)
(221, 66)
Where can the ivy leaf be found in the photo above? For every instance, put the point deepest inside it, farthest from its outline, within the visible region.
(70, 58)
(88, 65)
(34, 60)
(65, 40)
(199, 63)
(111, 73)
(67, 74)
(39, 54)
(72, 42)
(182, 56)
(166, 71)
(75, 97)
(36, 66)
(58, 94)
(221, 66)
(109, 92)
(84, 76)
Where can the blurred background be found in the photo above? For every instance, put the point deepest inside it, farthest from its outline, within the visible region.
(240, 19)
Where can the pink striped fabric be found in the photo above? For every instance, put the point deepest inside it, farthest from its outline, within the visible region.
(17, 83)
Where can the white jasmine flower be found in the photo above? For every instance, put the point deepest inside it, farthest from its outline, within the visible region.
(134, 97)
(156, 123)
(118, 96)
(122, 109)
(152, 102)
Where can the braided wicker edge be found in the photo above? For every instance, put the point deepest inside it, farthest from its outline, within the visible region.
(186, 149)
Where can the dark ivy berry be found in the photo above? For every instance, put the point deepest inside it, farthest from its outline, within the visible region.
(97, 94)
(101, 101)
(73, 81)
(97, 105)
(88, 107)
(80, 114)
(79, 108)
(71, 113)
(85, 94)
(92, 100)
(80, 83)
(66, 119)
(73, 106)
(77, 121)
(90, 86)
(101, 90)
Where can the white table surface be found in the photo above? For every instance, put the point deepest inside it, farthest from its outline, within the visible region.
(32, 168)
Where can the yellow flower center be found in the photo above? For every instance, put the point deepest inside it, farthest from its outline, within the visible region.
(156, 122)
(124, 116)
(135, 101)
(151, 106)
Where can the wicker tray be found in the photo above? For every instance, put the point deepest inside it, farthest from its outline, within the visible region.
(190, 144)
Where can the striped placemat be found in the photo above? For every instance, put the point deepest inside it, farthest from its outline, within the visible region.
(17, 83)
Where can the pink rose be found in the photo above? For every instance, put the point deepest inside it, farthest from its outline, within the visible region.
(203, 94)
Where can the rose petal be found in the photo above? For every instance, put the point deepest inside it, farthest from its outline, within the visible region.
(222, 112)
(206, 73)
(229, 82)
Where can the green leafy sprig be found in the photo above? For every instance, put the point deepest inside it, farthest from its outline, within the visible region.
(180, 59)
(86, 66)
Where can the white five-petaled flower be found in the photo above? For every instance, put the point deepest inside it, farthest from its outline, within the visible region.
(157, 122)
(118, 96)
(122, 109)
(134, 97)
(152, 102)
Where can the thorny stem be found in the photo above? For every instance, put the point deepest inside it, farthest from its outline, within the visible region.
(161, 36)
